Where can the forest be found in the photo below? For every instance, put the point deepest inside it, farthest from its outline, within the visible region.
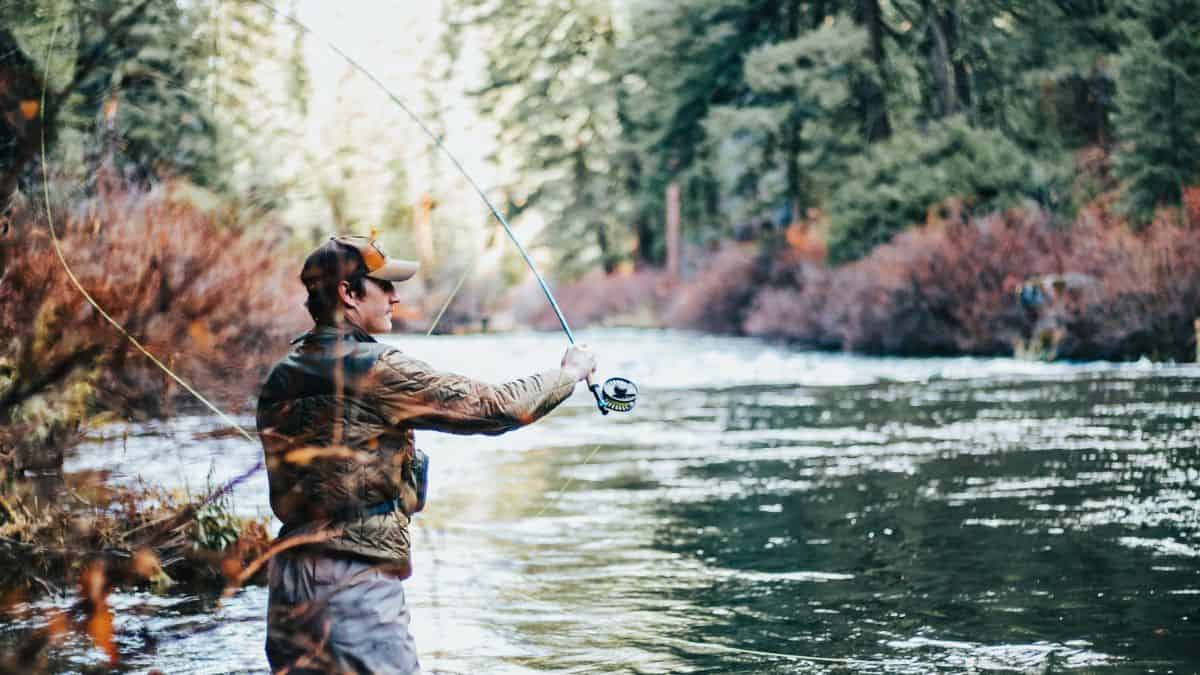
(772, 168)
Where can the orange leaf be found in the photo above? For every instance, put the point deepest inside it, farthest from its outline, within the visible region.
(231, 567)
(93, 586)
(100, 627)
(145, 563)
(200, 334)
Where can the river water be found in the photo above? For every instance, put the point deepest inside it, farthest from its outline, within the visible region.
(761, 505)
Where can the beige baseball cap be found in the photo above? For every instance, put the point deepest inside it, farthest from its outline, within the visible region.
(349, 255)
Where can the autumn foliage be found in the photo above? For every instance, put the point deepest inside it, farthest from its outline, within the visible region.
(1092, 289)
(622, 298)
(203, 297)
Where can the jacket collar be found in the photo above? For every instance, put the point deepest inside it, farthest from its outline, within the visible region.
(324, 332)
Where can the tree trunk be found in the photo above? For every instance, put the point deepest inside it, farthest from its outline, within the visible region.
(940, 62)
(423, 234)
(876, 124)
(795, 189)
(962, 79)
(648, 239)
(607, 259)
(791, 127)
(673, 229)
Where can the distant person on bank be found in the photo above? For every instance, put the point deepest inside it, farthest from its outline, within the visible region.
(336, 418)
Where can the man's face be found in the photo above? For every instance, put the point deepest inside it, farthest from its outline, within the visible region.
(372, 311)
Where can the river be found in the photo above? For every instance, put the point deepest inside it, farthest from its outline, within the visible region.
(758, 506)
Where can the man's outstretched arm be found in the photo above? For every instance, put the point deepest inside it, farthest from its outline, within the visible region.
(412, 393)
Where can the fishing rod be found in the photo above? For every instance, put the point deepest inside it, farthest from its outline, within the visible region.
(617, 393)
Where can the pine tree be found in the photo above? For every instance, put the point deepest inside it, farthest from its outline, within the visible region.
(63, 100)
(552, 84)
(749, 106)
(1158, 89)
(892, 186)
(255, 91)
(148, 111)
(684, 58)
(788, 139)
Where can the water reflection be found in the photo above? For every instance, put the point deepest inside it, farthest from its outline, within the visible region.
(905, 515)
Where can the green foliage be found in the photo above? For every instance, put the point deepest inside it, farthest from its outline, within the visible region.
(892, 185)
(147, 108)
(794, 140)
(552, 86)
(214, 527)
(682, 60)
(143, 88)
(756, 109)
(1158, 89)
(118, 85)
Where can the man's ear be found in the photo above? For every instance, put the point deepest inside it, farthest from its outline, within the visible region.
(346, 295)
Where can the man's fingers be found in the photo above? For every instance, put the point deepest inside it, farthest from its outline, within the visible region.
(580, 359)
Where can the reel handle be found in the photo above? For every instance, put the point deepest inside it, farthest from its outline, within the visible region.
(595, 388)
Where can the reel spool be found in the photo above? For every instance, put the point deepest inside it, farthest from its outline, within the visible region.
(618, 394)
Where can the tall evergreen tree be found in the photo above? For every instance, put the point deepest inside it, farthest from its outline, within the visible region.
(94, 52)
(750, 105)
(150, 109)
(552, 83)
(789, 137)
(1158, 89)
(684, 59)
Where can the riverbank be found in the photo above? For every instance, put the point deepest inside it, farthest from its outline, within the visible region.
(81, 536)
(173, 276)
(1017, 283)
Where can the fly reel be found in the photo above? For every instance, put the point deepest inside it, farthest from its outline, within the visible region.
(617, 394)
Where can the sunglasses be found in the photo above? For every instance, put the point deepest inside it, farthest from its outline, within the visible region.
(384, 285)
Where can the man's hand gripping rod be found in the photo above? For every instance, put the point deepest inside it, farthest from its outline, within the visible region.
(618, 393)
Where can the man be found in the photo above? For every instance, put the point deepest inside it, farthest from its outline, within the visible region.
(336, 417)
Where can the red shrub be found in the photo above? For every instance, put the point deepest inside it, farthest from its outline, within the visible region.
(1191, 206)
(796, 305)
(210, 301)
(718, 298)
(630, 298)
(945, 288)
(1149, 291)
(1102, 290)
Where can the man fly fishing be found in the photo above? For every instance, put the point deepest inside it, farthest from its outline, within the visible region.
(336, 417)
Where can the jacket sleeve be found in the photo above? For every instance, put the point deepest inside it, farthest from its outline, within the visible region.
(411, 393)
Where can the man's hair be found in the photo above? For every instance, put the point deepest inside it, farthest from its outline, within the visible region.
(324, 269)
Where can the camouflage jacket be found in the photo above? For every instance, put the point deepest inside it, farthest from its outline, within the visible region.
(336, 418)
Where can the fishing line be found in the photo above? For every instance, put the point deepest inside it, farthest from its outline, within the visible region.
(71, 273)
(449, 299)
(624, 388)
(237, 480)
(570, 479)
